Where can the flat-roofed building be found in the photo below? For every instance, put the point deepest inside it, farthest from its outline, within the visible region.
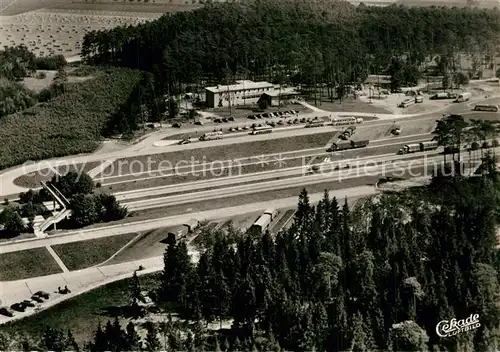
(242, 93)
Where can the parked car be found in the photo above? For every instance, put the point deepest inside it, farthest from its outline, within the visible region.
(246, 127)
(185, 141)
(266, 115)
(239, 128)
(253, 117)
(28, 303)
(42, 294)
(272, 124)
(231, 118)
(290, 122)
(303, 120)
(37, 299)
(177, 125)
(198, 122)
(217, 120)
(281, 122)
(6, 311)
(260, 116)
(18, 307)
(232, 129)
(225, 119)
(295, 121)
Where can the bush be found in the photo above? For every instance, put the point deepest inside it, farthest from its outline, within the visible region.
(50, 62)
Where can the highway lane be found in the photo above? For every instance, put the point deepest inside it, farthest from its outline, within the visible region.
(257, 177)
(393, 165)
(169, 221)
(208, 168)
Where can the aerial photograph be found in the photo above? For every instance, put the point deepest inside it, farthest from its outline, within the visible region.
(250, 175)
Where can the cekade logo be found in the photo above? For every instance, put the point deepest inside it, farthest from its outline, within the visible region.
(447, 328)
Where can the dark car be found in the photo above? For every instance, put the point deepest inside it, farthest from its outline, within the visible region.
(42, 294)
(185, 141)
(253, 117)
(28, 303)
(177, 125)
(6, 311)
(18, 307)
(225, 119)
(266, 115)
(231, 118)
(37, 299)
(217, 120)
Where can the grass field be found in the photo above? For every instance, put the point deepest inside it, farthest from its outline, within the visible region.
(84, 254)
(148, 245)
(223, 152)
(25, 264)
(33, 180)
(81, 314)
(349, 105)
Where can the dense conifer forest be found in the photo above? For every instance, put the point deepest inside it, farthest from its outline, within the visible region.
(310, 41)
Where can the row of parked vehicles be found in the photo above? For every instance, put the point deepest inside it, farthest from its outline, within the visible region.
(38, 297)
(267, 115)
(224, 120)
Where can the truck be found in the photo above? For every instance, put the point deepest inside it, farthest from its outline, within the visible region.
(465, 96)
(442, 95)
(418, 147)
(348, 132)
(348, 145)
(396, 130)
(340, 146)
(212, 135)
(361, 143)
(407, 102)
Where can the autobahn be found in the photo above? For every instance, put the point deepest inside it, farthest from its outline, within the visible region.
(381, 167)
(375, 147)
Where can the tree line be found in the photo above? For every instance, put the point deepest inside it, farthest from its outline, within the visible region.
(298, 41)
(87, 207)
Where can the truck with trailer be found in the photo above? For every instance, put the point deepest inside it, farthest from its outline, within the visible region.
(352, 144)
(418, 147)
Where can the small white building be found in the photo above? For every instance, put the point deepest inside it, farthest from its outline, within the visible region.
(242, 93)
